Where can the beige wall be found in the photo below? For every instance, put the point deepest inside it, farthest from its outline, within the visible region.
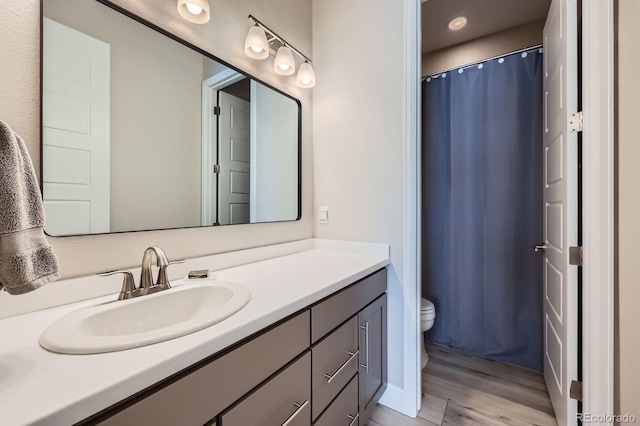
(483, 48)
(224, 37)
(358, 116)
(155, 117)
(628, 314)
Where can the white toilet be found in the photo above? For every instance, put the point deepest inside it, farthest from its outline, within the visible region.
(427, 317)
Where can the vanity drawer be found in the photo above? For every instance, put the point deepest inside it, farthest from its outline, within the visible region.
(285, 399)
(331, 312)
(201, 395)
(335, 361)
(344, 410)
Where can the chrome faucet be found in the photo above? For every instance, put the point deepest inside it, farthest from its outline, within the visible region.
(146, 276)
(147, 286)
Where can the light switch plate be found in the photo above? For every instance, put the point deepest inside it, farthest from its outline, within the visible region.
(323, 214)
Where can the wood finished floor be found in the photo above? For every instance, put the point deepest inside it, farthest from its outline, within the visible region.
(459, 389)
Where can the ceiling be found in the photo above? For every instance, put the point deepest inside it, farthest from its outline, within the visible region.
(484, 17)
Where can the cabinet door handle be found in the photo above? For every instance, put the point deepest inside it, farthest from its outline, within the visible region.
(293, 416)
(331, 376)
(354, 419)
(365, 327)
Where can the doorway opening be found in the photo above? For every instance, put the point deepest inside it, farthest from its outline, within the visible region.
(224, 89)
(477, 261)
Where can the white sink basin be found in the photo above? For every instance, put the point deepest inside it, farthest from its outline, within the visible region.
(144, 320)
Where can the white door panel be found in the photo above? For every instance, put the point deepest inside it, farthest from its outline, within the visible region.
(76, 131)
(239, 213)
(77, 173)
(234, 160)
(560, 191)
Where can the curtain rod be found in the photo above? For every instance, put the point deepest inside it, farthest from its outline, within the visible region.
(472, 64)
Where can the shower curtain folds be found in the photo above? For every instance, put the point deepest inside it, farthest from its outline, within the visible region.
(482, 192)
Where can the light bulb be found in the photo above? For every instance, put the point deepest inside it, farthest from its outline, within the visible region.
(255, 45)
(196, 11)
(306, 77)
(284, 63)
(194, 8)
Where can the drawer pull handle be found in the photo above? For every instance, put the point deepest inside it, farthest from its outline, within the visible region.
(331, 376)
(366, 347)
(354, 419)
(293, 416)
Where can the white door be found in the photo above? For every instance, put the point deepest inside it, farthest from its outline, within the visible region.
(75, 133)
(560, 85)
(234, 160)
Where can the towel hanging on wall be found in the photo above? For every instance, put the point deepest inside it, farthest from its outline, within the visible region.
(27, 261)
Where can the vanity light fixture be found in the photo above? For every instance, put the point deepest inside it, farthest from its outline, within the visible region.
(458, 23)
(258, 44)
(196, 11)
(306, 77)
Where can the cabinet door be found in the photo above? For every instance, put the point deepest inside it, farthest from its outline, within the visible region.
(343, 411)
(284, 400)
(339, 307)
(201, 395)
(335, 362)
(373, 355)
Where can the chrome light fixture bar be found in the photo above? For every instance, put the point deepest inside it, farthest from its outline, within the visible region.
(256, 46)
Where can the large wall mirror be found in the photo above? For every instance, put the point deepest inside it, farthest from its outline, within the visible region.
(141, 131)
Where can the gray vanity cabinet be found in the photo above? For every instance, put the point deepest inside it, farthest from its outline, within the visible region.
(372, 322)
(199, 394)
(325, 365)
(363, 306)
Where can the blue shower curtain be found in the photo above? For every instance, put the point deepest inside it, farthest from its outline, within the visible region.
(482, 206)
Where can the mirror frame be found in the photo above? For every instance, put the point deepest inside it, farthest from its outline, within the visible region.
(203, 52)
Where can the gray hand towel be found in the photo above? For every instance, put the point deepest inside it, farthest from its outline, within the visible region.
(27, 261)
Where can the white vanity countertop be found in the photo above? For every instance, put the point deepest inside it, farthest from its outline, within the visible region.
(43, 388)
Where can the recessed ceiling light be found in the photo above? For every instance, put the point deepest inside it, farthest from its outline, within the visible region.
(457, 23)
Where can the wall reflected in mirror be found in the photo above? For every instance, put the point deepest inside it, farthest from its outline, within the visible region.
(141, 132)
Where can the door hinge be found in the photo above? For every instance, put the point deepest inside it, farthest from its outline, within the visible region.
(576, 122)
(216, 110)
(575, 256)
(575, 391)
(216, 168)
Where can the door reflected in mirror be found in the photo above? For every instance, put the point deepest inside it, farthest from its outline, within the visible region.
(142, 132)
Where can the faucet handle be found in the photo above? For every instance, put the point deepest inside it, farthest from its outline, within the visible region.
(128, 285)
(163, 279)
